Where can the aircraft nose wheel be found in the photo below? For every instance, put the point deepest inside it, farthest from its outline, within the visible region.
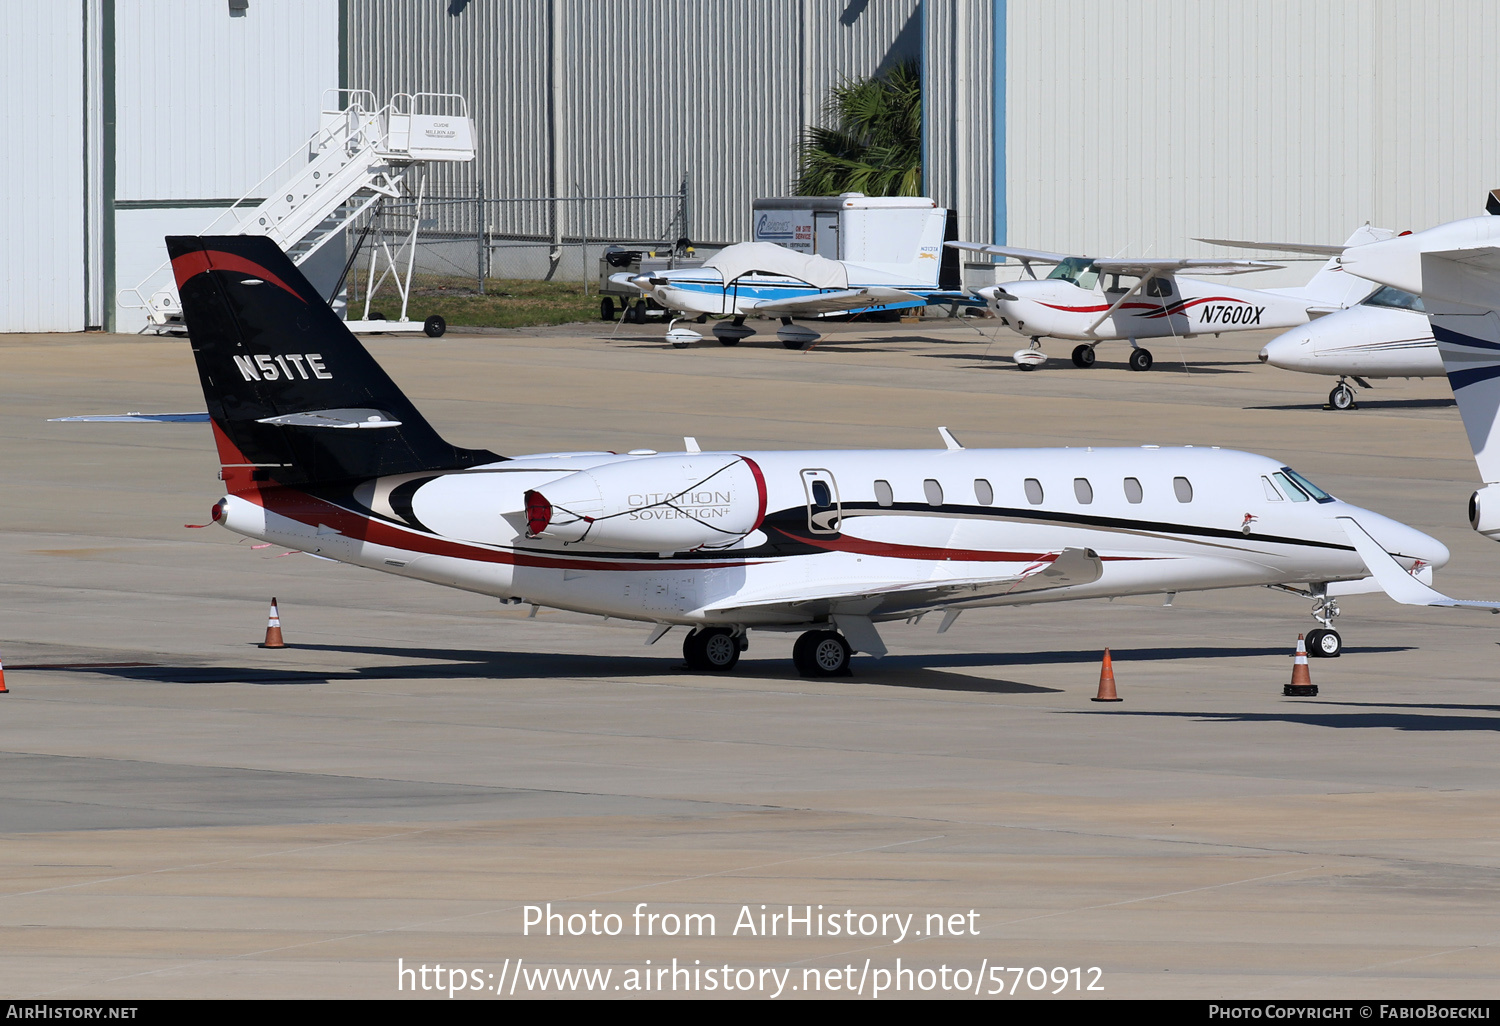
(711, 649)
(822, 654)
(1342, 397)
(1140, 359)
(1324, 644)
(1084, 356)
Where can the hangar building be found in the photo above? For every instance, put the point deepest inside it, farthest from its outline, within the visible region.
(1065, 124)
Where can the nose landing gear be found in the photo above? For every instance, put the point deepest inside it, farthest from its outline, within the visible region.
(1342, 397)
(1325, 642)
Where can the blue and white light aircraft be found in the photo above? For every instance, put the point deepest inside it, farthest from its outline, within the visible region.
(321, 451)
(896, 261)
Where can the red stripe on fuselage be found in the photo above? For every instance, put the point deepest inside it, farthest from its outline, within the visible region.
(190, 265)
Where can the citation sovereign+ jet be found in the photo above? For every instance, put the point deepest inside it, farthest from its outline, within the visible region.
(321, 451)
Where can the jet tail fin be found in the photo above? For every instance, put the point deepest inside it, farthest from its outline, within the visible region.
(294, 397)
(1332, 288)
(1455, 268)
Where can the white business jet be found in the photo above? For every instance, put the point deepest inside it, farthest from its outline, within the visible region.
(899, 242)
(1386, 336)
(320, 451)
(1084, 299)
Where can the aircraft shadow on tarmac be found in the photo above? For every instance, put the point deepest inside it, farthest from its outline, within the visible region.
(930, 672)
(1316, 713)
(1002, 361)
(1369, 404)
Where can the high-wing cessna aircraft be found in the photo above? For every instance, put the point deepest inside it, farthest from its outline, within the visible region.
(1084, 299)
(320, 451)
(1386, 336)
(900, 265)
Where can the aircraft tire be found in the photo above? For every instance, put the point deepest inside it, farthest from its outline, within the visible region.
(1324, 644)
(728, 341)
(607, 308)
(794, 343)
(711, 649)
(1084, 356)
(1342, 397)
(434, 326)
(1140, 359)
(822, 654)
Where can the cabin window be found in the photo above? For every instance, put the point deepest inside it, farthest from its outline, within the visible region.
(883, 494)
(983, 493)
(822, 497)
(1160, 288)
(1033, 491)
(1083, 491)
(1183, 489)
(1296, 494)
(1133, 491)
(1272, 494)
(933, 491)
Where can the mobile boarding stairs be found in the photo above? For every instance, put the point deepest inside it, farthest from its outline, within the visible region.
(362, 155)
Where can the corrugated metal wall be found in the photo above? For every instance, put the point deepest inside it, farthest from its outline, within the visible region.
(957, 112)
(645, 91)
(42, 223)
(1132, 128)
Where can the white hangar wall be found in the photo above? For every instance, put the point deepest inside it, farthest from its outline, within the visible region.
(44, 281)
(133, 119)
(206, 104)
(577, 97)
(1132, 128)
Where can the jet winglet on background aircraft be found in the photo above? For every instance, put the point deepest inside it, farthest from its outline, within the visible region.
(1083, 299)
(320, 451)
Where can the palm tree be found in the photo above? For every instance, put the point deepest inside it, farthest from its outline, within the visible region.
(875, 146)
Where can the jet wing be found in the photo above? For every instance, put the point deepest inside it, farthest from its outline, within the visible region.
(1035, 256)
(1163, 268)
(1394, 579)
(1069, 568)
(833, 302)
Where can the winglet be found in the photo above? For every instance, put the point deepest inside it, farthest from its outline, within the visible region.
(1393, 578)
(949, 440)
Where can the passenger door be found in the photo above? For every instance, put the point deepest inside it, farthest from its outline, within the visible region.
(824, 511)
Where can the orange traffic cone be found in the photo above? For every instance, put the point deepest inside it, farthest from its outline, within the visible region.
(273, 629)
(1301, 685)
(3, 689)
(1107, 681)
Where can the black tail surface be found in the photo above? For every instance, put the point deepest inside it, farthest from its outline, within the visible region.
(287, 384)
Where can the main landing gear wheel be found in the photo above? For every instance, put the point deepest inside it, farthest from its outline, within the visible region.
(713, 649)
(728, 341)
(1342, 397)
(434, 326)
(794, 343)
(607, 308)
(1324, 644)
(822, 654)
(1084, 356)
(1140, 359)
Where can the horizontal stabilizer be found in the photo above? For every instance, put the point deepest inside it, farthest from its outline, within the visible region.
(147, 418)
(1393, 578)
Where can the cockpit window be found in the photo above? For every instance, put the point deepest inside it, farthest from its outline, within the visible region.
(1305, 485)
(1077, 270)
(1390, 297)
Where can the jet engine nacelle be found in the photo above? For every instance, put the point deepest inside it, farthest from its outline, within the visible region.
(653, 503)
(1484, 511)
